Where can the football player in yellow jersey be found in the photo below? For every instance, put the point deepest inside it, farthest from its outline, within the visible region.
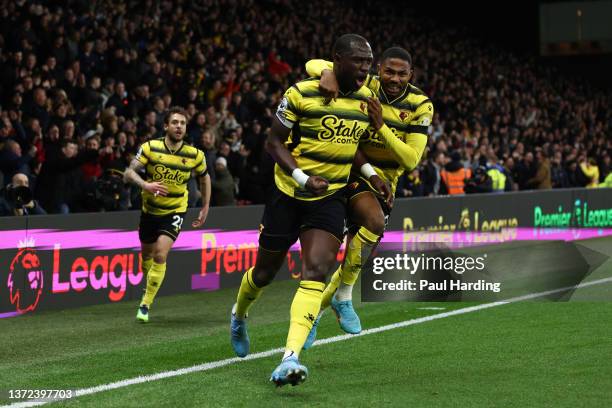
(168, 163)
(313, 144)
(401, 124)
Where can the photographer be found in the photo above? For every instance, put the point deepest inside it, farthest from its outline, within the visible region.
(16, 198)
(480, 183)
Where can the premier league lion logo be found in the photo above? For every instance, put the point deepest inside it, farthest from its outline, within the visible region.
(25, 280)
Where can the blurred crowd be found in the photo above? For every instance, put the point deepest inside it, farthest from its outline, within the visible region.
(84, 83)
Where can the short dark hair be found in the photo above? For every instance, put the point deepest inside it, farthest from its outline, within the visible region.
(397, 52)
(66, 142)
(175, 109)
(344, 43)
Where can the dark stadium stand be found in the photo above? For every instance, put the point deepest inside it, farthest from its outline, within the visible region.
(101, 74)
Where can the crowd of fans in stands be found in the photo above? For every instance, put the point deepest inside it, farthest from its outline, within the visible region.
(85, 83)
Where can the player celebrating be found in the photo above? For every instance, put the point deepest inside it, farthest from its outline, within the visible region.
(169, 163)
(311, 171)
(401, 123)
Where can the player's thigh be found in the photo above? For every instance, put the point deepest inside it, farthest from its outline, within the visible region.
(321, 234)
(279, 230)
(280, 222)
(365, 210)
(319, 250)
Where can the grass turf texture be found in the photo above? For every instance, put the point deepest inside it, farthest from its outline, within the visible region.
(523, 354)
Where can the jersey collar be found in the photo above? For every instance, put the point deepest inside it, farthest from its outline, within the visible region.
(385, 98)
(175, 151)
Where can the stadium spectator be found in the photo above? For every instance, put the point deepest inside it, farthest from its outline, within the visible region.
(454, 175)
(229, 67)
(481, 182)
(541, 179)
(410, 185)
(430, 173)
(223, 185)
(591, 171)
(60, 186)
(13, 161)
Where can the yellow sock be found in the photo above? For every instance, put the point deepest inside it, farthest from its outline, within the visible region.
(155, 277)
(247, 294)
(304, 311)
(146, 265)
(357, 253)
(330, 289)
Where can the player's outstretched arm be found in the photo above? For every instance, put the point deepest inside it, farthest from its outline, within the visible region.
(275, 145)
(205, 190)
(130, 175)
(408, 155)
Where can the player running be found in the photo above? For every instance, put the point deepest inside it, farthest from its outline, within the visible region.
(312, 168)
(401, 123)
(168, 163)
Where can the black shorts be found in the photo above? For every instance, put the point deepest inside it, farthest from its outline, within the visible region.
(355, 187)
(285, 217)
(152, 226)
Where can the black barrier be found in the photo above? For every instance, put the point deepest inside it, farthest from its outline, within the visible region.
(51, 262)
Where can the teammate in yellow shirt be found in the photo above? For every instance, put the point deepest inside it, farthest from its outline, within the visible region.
(168, 163)
(313, 142)
(401, 123)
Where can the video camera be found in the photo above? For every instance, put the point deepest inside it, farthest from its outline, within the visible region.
(18, 196)
(109, 190)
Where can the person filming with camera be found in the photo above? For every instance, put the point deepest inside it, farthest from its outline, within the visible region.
(17, 198)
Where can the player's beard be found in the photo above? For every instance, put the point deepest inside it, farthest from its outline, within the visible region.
(174, 138)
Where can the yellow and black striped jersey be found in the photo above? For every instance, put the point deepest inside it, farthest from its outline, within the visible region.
(173, 169)
(408, 116)
(324, 137)
(407, 119)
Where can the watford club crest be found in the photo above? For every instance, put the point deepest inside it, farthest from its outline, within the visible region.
(403, 115)
(184, 161)
(362, 106)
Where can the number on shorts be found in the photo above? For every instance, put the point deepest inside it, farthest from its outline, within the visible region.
(178, 222)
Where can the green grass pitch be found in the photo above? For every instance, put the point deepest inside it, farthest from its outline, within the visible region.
(524, 354)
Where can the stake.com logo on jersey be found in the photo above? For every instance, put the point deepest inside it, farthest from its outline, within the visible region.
(109, 273)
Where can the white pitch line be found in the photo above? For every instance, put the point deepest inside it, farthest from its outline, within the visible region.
(222, 363)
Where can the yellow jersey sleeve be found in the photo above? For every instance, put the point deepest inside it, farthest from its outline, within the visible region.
(289, 109)
(315, 67)
(422, 117)
(143, 154)
(201, 168)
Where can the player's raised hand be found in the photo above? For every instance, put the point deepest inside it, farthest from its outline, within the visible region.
(156, 188)
(328, 85)
(383, 188)
(317, 185)
(198, 222)
(375, 113)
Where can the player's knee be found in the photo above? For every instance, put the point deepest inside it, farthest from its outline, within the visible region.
(318, 270)
(376, 224)
(263, 277)
(159, 257)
